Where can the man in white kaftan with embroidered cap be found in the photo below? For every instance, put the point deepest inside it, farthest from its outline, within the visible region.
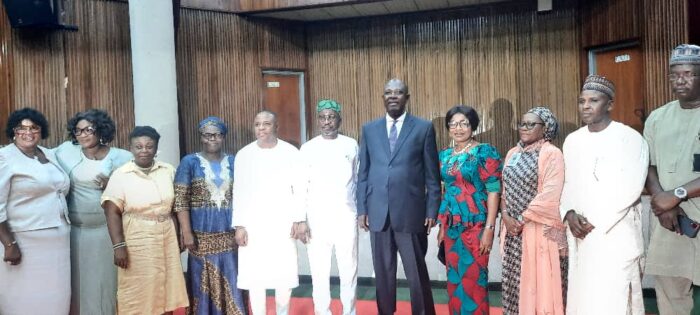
(330, 166)
(606, 166)
(268, 198)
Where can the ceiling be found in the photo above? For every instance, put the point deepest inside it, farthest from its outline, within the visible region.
(372, 9)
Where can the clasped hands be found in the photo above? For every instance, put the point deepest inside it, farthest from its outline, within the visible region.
(300, 231)
(665, 206)
(578, 224)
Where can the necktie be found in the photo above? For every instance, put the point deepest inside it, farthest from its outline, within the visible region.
(393, 135)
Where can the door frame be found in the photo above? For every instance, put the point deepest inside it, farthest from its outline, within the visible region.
(592, 52)
(302, 98)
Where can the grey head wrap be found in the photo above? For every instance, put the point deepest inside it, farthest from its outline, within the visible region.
(551, 126)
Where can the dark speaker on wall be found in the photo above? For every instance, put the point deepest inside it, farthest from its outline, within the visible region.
(45, 14)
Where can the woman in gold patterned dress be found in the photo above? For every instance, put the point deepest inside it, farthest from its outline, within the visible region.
(138, 203)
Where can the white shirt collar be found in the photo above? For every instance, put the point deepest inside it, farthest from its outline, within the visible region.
(401, 118)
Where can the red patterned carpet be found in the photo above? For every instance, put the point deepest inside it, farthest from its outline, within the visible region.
(304, 306)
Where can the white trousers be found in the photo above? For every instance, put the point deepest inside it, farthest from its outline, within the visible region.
(339, 233)
(258, 301)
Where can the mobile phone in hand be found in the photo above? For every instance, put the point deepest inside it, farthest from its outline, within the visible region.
(688, 227)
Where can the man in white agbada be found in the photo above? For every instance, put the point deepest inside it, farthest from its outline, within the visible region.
(606, 167)
(268, 197)
(330, 163)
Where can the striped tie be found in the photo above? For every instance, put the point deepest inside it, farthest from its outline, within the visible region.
(393, 135)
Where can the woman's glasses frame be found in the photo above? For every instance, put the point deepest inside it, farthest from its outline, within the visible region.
(529, 125)
(89, 130)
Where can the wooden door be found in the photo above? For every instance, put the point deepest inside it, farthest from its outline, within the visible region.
(624, 68)
(283, 95)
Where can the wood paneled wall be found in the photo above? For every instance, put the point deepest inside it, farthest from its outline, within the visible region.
(658, 26)
(502, 61)
(61, 73)
(666, 28)
(610, 21)
(220, 61)
(5, 72)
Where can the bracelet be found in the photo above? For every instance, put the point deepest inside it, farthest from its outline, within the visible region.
(119, 245)
(13, 243)
(490, 226)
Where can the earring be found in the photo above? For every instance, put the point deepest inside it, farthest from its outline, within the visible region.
(14, 138)
(452, 143)
(102, 142)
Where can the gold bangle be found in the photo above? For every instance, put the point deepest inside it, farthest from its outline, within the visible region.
(13, 243)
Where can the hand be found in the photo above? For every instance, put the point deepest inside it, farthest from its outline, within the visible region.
(669, 220)
(441, 234)
(486, 242)
(578, 224)
(101, 181)
(664, 201)
(121, 257)
(241, 236)
(429, 224)
(188, 241)
(301, 232)
(363, 222)
(13, 255)
(513, 226)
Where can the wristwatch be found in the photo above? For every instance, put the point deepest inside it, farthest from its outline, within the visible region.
(681, 193)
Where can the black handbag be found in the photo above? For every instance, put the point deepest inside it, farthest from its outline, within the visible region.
(441, 252)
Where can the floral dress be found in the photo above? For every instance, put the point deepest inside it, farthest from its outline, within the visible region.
(468, 177)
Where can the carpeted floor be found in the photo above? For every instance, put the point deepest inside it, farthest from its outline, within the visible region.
(302, 303)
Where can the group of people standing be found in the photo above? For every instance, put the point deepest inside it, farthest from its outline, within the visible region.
(570, 232)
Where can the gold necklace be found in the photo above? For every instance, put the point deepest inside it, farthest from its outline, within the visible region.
(466, 147)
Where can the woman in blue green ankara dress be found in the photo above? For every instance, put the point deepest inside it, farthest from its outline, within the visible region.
(471, 173)
(203, 202)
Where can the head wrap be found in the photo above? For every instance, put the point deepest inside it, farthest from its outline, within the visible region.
(328, 104)
(214, 121)
(685, 54)
(551, 126)
(599, 83)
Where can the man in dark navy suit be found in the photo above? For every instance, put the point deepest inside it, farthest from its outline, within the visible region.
(398, 196)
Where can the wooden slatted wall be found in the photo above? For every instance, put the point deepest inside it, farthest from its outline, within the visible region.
(664, 29)
(502, 62)
(61, 73)
(220, 61)
(658, 25)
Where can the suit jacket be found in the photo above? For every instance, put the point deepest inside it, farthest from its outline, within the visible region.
(404, 185)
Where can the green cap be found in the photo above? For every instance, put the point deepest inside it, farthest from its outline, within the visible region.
(328, 104)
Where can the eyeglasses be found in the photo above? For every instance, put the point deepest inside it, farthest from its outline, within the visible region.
(23, 130)
(528, 125)
(327, 118)
(89, 131)
(462, 124)
(212, 136)
(673, 77)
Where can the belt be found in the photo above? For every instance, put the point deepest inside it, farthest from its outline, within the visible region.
(150, 217)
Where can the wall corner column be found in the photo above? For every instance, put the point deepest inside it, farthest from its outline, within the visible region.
(154, 73)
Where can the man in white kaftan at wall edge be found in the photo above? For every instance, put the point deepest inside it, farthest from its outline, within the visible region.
(606, 167)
